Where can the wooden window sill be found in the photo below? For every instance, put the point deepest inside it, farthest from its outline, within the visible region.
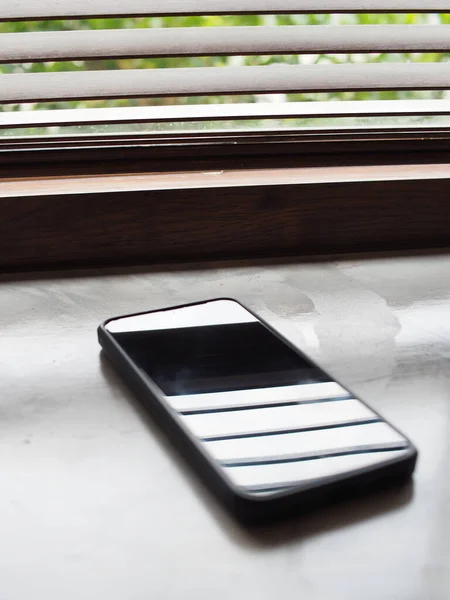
(155, 217)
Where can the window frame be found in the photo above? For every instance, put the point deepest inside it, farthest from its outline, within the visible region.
(180, 209)
(222, 194)
(57, 155)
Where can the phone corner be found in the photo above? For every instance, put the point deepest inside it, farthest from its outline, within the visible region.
(102, 332)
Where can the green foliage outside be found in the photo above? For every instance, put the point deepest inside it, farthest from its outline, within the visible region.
(217, 61)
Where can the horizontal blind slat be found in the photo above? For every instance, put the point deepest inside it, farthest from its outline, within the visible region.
(79, 45)
(218, 112)
(66, 9)
(40, 87)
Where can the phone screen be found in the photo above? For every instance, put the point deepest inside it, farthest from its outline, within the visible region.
(265, 413)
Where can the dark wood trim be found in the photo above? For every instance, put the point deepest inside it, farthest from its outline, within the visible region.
(215, 137)
(224, 150)
(150, 218)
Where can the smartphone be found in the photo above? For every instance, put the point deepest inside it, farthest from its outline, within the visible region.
(270, 431)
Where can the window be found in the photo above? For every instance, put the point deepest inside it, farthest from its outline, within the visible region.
(295, 105)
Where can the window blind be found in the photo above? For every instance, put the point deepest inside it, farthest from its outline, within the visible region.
(65, 9)
(154, 42)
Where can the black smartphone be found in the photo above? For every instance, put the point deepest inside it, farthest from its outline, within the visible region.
(269, 430)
